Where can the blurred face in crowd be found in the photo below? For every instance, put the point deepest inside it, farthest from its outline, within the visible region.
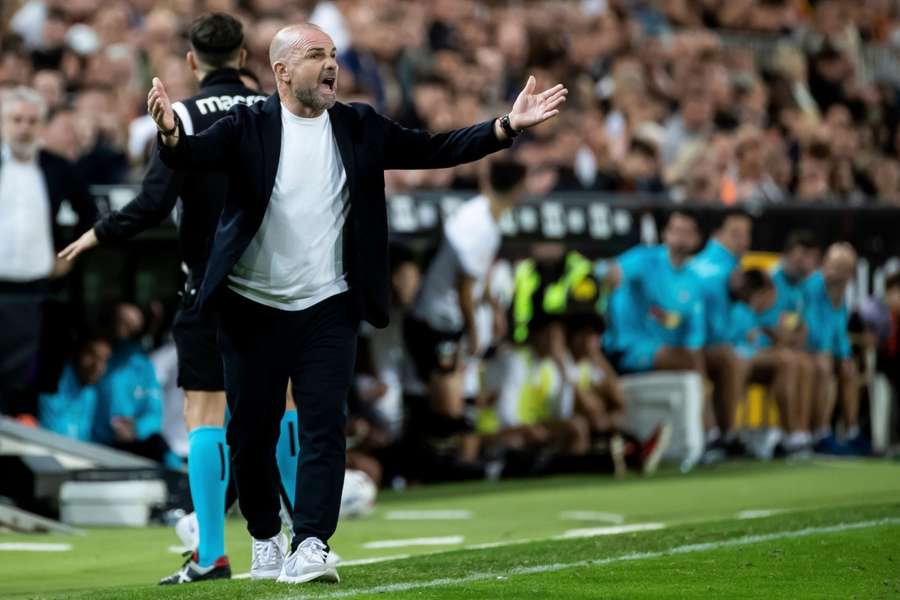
(51, 86)
(735, 234)
(800, 261)
(759, 300)
(304, 61)
(696, 110)
(582, 341)
(405, 281)
(92, 360)
(129, 321)
(21, 120)
(839, 266)
(892, 298)
(681, 237)
(750, 157)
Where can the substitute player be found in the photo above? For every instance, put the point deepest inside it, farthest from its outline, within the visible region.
(215, 57)
(656, 314)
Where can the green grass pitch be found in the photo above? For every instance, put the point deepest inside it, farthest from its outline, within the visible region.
(822, 529)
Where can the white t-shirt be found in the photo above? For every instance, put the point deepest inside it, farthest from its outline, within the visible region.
(470, 244)
(296, 260)
(26, 225)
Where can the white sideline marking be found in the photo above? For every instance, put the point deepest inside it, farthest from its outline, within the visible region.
(428, 515)
(373, 560)
(685, 549)
(32, 547)
(758, 514)
(429, 541)
(591, 515)
(487, 545)
(613, 530)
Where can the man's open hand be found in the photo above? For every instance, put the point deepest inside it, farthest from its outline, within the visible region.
(87, 241)
(532, 108)
(159, 107)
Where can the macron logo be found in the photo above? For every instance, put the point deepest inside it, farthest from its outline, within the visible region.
(222, 103)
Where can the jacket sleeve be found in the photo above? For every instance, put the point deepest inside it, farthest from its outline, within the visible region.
(417, 149)
(79, 196)
(210, 150)
(159, 192)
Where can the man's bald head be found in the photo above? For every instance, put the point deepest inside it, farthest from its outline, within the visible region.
(841, 253)
(304, 62)
(840, 264)
(292, 38)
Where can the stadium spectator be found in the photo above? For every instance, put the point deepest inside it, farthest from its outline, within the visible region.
(534, 394)
(129, 402)
(827, 312)
(881, 316)
(627, 76)
(785, 370)
(33, 185)
(656, 316)
(70, 410)
(714, 267)
(442, 328)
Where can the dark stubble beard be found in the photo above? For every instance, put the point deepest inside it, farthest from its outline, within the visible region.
(310, 98)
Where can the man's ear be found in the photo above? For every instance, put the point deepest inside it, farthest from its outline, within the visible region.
(191, 60)
(242, 57)
(281, 72)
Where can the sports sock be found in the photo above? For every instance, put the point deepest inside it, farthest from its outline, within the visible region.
(287, 453)
(208, 476)
(852, 432)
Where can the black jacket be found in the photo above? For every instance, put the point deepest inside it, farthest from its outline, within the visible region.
(246, 144)
(64, 183)
(202, 194)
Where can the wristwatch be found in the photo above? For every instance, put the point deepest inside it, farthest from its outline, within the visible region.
(174, 128)
(507, 127)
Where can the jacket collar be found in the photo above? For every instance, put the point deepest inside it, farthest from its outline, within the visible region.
(221, 77)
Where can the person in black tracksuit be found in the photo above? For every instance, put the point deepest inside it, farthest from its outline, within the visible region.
(216, 58)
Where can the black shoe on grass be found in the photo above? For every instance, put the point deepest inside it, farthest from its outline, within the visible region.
(191, 572)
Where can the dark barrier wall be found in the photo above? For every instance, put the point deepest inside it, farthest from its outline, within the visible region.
(599, 225)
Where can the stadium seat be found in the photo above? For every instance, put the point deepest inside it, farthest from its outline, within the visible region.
(676, 397)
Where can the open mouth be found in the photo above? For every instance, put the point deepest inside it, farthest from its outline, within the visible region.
(328, 83)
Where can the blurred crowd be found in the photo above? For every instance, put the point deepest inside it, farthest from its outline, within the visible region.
(658, 103)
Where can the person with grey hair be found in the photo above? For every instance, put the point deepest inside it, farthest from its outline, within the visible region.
(33, 185)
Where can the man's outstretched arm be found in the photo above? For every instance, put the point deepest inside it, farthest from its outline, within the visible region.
(211, 150)
(158, 195)
(418, 149)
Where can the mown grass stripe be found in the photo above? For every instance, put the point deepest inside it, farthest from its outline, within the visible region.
(634, 556)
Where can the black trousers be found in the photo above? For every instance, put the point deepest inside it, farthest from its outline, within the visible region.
(21, 317)
(261, 348)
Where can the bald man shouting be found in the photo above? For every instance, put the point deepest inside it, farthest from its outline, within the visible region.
(299, 258)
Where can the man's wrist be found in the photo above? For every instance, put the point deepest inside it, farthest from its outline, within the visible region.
(508, 126)
(170, 134)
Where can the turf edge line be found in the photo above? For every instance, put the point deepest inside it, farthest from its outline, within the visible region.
(547, 568)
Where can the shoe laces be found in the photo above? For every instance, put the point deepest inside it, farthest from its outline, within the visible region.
(314, 550)
(266, 552)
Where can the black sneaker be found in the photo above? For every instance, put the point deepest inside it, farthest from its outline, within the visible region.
(191, 572)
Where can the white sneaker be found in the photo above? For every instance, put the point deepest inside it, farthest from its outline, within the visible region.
(268, 557)
(308, 562)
